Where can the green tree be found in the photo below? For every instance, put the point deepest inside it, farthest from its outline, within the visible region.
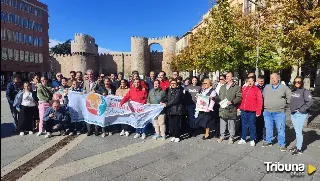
(62, 48)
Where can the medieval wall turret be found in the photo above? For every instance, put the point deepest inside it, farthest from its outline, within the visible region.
(139, 54)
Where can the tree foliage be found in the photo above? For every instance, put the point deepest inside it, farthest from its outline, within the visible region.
(62, 48)
(286, 32)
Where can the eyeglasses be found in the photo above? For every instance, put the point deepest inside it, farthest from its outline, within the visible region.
(204, 83)
(221, 79)
(297, 82)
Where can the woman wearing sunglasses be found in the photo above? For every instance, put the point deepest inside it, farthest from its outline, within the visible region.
(301, 101)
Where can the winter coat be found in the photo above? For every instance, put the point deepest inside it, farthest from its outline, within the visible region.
(11, 92)
(44, 93)
(174, 102)
(101, 89)
(251, 99)
(301, 100)
(18, 99)
(60, 115)
(233, 94)
(135, 94)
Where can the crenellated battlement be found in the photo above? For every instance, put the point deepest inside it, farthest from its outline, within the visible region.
(61, 55)
(115, 54)
(156, 38)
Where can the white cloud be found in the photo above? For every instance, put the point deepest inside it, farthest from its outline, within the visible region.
(104, 50)
(54, 42)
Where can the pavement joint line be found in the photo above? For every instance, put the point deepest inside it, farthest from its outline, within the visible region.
(48, 162)
(8, 168)
(76, 167)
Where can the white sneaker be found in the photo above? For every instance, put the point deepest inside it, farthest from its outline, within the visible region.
(241, 142)
(103, 135)
(21, 133)
(78, 133)
(176, 140)
(30, 132)
(173, 139)
(252, 143)
(71, 134)
(143, 136)
(48, 135)
(122, 133)
(137, 135)
(110, 133)
(39, 133)
(126, 133)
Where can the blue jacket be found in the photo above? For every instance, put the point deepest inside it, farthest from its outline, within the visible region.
(149, 83)
(56, 83)
(59, 116)
(18, 99)
(11, 92)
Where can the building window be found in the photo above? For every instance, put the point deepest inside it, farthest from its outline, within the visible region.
(9, 34)
(2, 1)
(35, 26)
(36, 57)
(30, 40)
(4, 55)
(20, 5)
(6, 17)
(17, 19)
(8, 2)
(26, 56)
(31, 57)
(15, 37)
(40, 58)
(25, 23)
(20, 38)
(39, 13)
(21, 55)
(25, 7)
(14, 3)
(14, 18)
(2, 15)
(3, 34)
(30, 24)
(16, 55)
(26, 39)
(35, 42)
(39, 27)
(10, 54)
(40, 42)
(20, 21)
(10, 18)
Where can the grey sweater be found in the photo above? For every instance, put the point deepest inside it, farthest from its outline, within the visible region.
(301, 101)
(276, 98)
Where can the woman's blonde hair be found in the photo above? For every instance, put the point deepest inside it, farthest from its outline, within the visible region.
(208, 81)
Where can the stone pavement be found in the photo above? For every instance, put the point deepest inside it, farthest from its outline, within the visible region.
(125, 158)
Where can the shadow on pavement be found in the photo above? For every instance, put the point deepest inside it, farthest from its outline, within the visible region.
(7, 130)
(309, 137)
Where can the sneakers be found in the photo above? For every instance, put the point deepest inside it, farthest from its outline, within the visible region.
(39, 133)
(30, 132)
(78, 133)
(283, 148)
(292, 149)
(71, 134)
(103, 135)
(110, 133)
(265, 144)
(230, 141)
(177, 140)
(220, 139)
(137, 135)
(241, 142)
(48, 135)
(155, 137)
(126, 133)
(172, 139)
(252, 143)
(122, 133)
(21, 133)
(163, 138)
(62, 133)
(297, 152)
(143, 136)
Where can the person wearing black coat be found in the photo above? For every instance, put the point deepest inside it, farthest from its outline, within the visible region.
(174, 104)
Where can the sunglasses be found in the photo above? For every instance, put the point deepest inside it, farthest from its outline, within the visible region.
(221, 79)
(297, 82)
(204, 83)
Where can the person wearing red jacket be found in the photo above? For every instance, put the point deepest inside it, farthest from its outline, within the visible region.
(164, 83)
(140, 95)
(142, 82)
(251, 107)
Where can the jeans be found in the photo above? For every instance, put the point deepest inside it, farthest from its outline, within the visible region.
(248, 121)
(191, 112)
(278, 118)
(141, 130)
(14, 114)
(298, 122)
(260, 130)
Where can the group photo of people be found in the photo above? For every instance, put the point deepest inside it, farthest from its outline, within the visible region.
(40, 106)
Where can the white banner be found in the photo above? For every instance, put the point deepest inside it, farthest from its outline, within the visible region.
(103, 111)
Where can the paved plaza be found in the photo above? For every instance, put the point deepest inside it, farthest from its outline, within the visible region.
(126, 158)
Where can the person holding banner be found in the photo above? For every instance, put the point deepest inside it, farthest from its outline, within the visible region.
(138, 94)
(122, 91)
(175, 109)
(106, 89)
(205, 106)
(155, 96)
(135, 76)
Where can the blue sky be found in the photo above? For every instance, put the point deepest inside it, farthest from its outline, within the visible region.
(113, 22)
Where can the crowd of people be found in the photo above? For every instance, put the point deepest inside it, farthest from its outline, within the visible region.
(41, 105)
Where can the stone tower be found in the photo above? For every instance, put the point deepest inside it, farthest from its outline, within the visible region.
(84, 52)
(140, 53)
